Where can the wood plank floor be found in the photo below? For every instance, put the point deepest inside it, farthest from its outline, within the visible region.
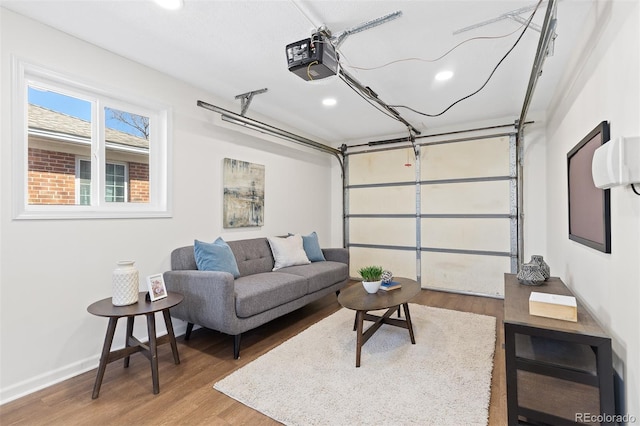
(186, 393)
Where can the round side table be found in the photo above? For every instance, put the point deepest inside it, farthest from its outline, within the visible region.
(105, 308)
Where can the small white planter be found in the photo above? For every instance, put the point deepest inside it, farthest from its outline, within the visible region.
(371, 286)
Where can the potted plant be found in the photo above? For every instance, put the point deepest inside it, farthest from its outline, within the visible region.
(371, 278)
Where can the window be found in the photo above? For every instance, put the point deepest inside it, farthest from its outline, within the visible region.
(82, 152)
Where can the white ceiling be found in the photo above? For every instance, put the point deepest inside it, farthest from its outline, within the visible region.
(232, 47)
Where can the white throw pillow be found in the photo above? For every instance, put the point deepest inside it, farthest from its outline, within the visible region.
(288, 251)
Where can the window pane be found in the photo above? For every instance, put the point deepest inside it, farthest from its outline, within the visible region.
(115, 183)
(84, 179)
(59, 130)
(127, 142)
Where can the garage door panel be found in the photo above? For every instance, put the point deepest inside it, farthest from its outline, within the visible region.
(464, 272)
(485, 197)
(382, 167)
(474, 158)
(383, 200)
(402, 263)
(486, 234)
(383, 231)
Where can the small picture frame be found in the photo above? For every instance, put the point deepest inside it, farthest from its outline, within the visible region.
(157, 289)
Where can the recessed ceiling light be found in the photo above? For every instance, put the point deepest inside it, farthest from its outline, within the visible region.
(444, 75)
(170, 4)
(329, 102)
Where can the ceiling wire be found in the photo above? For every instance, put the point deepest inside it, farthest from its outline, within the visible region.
(441, 56)
(297, 6)
(486, 82)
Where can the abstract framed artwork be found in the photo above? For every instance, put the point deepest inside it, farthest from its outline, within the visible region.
(243, 200)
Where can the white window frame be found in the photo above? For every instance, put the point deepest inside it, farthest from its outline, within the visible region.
(159, 205)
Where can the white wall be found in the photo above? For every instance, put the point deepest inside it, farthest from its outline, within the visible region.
(603, 85)
(534, 187)
(50, 271)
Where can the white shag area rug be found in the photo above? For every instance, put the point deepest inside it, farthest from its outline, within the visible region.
(311, 379)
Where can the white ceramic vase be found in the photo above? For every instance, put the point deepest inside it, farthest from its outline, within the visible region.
(125, 284)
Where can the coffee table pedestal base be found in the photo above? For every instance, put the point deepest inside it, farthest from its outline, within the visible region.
(363, 336)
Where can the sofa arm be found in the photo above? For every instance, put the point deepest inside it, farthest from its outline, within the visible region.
(209, 297)
(336, 254)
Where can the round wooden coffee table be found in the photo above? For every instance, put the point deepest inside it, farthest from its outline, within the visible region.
(357, 299)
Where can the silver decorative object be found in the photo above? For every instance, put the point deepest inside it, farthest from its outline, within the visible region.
(387, 276)
(531, 274)
(544, 268)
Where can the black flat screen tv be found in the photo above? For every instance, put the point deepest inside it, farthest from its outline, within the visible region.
(589, 206)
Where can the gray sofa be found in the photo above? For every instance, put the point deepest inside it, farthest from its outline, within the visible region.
(217, 301)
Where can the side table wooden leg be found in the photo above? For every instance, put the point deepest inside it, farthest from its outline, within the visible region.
(359, 330)
(172, 336)
(126, 339)
(408, 319)
(153, 349)
(104, 357)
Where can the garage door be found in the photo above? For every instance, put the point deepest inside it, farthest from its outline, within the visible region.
(443, 213)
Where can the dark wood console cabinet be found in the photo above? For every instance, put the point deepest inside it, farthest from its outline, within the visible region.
(558, 372)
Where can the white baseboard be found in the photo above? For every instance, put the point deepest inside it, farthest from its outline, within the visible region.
(47, 379)
(50, 378)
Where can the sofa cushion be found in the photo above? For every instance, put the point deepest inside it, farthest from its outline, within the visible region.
(320, 275)
(216, 256)
(253, 256)
(288, 251)
(258, 293)
(312, 248)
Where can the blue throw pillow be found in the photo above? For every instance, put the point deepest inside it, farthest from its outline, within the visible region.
(216, 256)
(312, 247)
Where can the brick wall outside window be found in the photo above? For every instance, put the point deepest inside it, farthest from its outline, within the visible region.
(138, 183)
(51, 178)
